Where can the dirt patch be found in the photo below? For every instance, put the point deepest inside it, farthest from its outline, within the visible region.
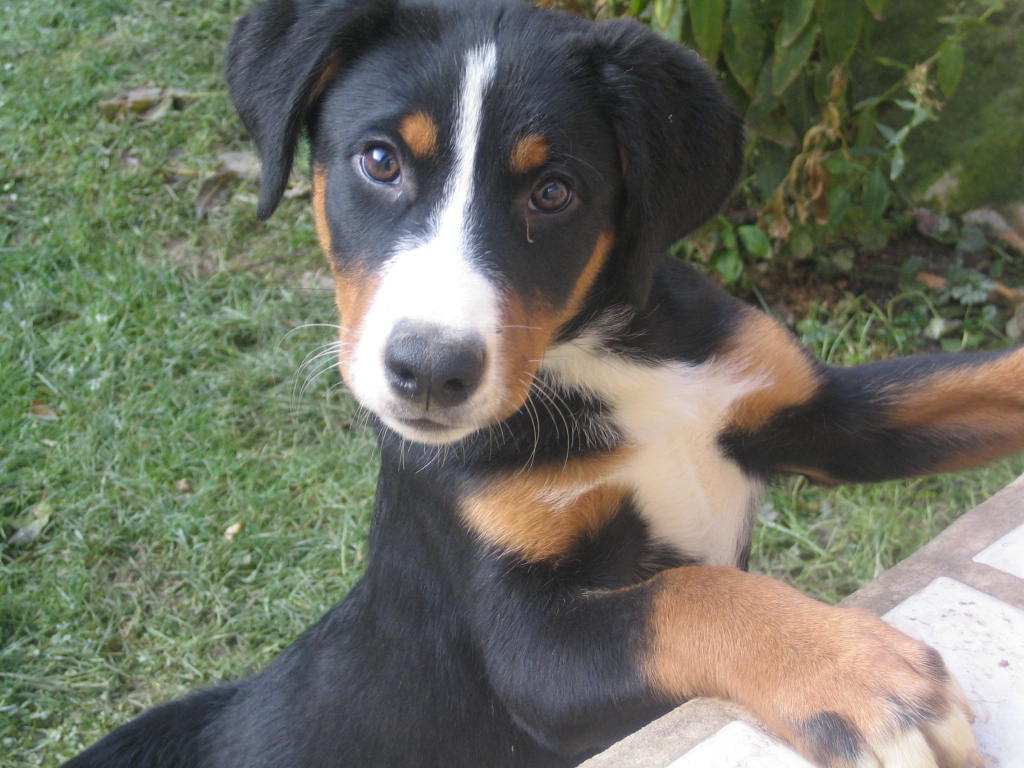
(792, 288)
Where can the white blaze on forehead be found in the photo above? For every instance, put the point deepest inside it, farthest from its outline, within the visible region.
(432, 277)
(434, 274)
(453, 218)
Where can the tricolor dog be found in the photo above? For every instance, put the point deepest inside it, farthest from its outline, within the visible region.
(575, 429)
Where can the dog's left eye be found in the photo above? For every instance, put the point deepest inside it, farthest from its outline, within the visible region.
(379, 163)
(551, 196)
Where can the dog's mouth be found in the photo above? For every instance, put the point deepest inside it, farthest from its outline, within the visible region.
(424, 425)
(435, 431)
(430, 431)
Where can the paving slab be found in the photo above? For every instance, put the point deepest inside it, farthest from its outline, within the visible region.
(962, 593)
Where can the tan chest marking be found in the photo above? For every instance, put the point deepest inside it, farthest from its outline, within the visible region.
(540, 514)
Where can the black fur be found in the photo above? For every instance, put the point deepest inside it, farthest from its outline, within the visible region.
(832, 736)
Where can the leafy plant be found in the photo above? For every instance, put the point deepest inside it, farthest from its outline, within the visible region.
(824, 159)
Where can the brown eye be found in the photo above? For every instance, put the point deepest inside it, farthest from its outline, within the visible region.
(380, 164)
(551, 196)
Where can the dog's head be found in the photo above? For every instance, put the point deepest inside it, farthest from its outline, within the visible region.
(486, 176)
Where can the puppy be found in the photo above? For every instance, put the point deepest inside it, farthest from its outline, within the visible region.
(575, 430)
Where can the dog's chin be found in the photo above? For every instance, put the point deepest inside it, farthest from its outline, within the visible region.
(427, 431)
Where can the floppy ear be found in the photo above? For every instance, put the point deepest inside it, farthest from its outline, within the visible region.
(680, 143)
(278, 61)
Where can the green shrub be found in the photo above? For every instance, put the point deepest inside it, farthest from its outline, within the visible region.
(824, 157)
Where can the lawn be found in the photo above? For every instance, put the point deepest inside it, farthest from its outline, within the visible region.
(184, 485)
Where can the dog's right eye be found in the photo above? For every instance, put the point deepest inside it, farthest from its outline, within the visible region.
(551, 196)
(380, 164)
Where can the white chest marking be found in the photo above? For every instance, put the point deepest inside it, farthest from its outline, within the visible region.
(693, 498)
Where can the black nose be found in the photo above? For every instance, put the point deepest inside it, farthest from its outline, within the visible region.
(431, 366)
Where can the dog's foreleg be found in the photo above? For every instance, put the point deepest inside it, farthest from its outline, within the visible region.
(899, 418)
(840, 685)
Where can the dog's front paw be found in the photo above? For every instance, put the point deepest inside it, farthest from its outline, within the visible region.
(871, 697)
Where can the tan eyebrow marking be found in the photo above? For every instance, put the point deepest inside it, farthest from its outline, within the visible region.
(529, 153)
(419, 132)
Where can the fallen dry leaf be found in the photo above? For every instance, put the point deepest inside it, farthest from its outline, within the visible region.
(298, 186)
(928, 280)
(36, 518)
(220, 186)
(43, 412)
(244, 165)
(215, 192)
(145, 104)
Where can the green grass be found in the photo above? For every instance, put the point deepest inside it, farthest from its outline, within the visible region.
(153, 393)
